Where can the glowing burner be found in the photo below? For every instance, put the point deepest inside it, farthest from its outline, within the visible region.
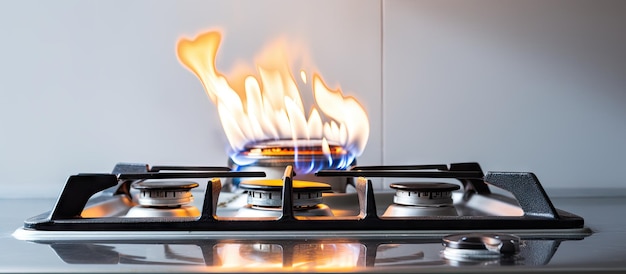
(265, 198)
(303, 153)
(164, 199)
(422, 199)
(306, 156)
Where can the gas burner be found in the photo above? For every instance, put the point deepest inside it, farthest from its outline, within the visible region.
(422, 199)
(265, 198)
(305, 156)
(164, 199)
(279, 152)
(480, 247)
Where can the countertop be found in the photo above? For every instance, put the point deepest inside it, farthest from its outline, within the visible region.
(602, 251)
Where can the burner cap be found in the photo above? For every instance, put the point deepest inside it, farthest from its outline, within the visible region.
(269, 192)
(277, 185)
(423, 194)
(165, 193)
(165, 185)
(480, 246)
(425, 187)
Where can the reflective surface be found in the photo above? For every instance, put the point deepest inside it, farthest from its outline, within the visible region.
(603, 250)
(286, 256)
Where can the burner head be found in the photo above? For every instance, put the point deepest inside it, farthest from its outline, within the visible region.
(281, 152)
(422, 199)
(268, 193)
(164, 199)
(165, 193)
(305, 156)
(423, 194)
(265, 198)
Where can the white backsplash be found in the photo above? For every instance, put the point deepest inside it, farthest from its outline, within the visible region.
(515, 85)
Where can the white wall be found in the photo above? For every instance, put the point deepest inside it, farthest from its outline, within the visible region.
(87, 84)
(515, 85)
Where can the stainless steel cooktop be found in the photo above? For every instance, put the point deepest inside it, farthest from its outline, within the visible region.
(139, 201)
(442, 218)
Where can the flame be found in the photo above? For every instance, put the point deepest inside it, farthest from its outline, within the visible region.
(268, 106)
(304, 257)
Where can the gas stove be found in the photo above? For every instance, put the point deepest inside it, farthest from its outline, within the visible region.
(430, 216)
(137, 201)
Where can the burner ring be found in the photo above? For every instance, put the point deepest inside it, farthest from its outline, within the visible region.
(425, 187)
(165, 185)
(164, 193)
(282, 152)
(423, 194)
(268, 193)
(277, 185)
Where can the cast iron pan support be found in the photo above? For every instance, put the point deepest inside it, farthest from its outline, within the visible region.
(471, 184)
(80, 188)
(526, 188)
(77, 190)
(287, 207)
(367, 204)
(523, 185)
(211, 195)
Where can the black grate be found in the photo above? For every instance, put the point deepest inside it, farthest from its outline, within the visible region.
(539, 213)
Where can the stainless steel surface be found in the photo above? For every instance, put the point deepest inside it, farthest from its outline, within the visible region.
(414, 211)
(603, 251)
(146, 211)
(275, 212)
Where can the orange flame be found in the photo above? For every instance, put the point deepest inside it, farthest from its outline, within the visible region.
(315, 256)
(271, 108)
